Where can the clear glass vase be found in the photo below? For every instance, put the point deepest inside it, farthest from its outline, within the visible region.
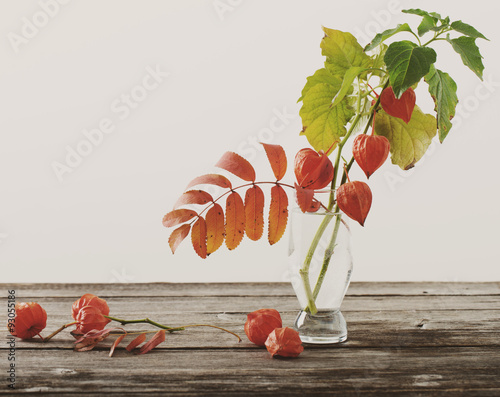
(320, 263)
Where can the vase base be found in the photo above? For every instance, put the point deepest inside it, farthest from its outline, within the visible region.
(325, 327)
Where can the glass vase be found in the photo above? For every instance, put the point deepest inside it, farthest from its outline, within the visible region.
(320, 264)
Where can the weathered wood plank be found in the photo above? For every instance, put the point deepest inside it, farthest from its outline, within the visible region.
(25, 291)
(243, 304)
(443, 339)
(360, 336)
(366, 329)
(468, 392)
(242, 371)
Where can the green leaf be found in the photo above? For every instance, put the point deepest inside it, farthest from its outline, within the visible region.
(469, 52)
(467, 30)
(324, 124)
(342, 52)
(349, 77)
(444, 93)
(378, 63)
(321, 76)
(428, 23)
(417, 11)
(380, 37)
(408, 141)
(407, 63)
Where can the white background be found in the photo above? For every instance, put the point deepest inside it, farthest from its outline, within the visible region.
(230, 71)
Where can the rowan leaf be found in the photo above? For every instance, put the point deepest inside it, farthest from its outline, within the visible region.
(215, 228)
(199, 237)
(381, 37)
(407, 63)
(235, 220)
(177, 236)
(177, 217)
(408, 141)
(254, 213)
(277, 157)
(444, 93)
(305, 199)
(157, 338)
(469, 52)
(211, 179)
(136, 342)
(237, 165)
(278, 214)
(342, 52)
(91, 339)
(115, 344)
(193, 197)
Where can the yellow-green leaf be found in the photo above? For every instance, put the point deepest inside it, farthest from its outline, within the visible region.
(349, 77)
(342, 52)
(408, 141)
(324, 124)
(321, 76)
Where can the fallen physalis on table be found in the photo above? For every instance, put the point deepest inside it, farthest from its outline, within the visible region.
(91, 315)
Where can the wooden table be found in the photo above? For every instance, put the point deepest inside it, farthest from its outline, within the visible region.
(404, 339)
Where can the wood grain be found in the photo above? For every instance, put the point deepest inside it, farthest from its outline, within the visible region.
(27, 291)
(413, 339)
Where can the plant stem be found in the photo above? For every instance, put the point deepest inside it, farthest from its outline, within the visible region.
(328, 255)
(144, 320)
(57, 331)
(436, 36)
(169, 329)
(211, 326)
(418, 39)
(304, 272)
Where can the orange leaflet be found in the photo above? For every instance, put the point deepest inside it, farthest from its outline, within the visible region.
(176, 217)
(193, 197)
(237, 165)
(254, 213)
(278, 214)
(153, 342)
(91, 339)
(235, 220)
(277, 157)
(116, 343)
(136, 342)
(305, 199)
(211, 179)
(177, 236)
(215, 228)
(199, 237)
